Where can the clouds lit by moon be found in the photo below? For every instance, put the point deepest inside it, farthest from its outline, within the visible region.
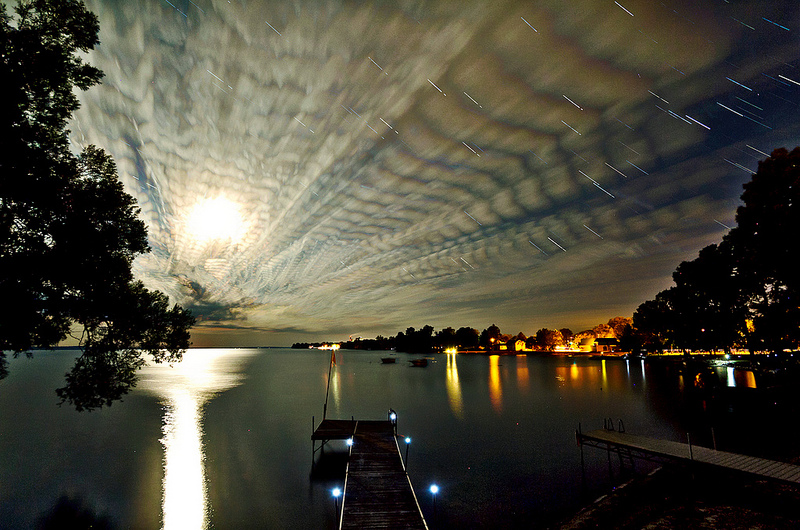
(370, 166)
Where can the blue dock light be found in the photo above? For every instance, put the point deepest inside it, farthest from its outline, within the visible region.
(349, 442)
(336, 492)
(408, 442)
(393, 419)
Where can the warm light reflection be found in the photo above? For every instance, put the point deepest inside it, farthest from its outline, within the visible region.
(749, 379)
(523, 377)
(586, 376)
(216, 219)
(740, 378)
(336, 389)
(495, 389)
(454, 387)
(604, 373)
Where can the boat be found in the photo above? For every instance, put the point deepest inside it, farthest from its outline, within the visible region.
(388, 360)
(419, 362)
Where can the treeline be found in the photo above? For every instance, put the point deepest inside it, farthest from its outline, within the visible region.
(427, 340)
(743, 292)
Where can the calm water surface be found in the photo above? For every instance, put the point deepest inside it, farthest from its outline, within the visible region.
(222, 440)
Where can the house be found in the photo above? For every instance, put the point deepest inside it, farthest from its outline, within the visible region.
(598, 345)
(515, 345)
(605, 344)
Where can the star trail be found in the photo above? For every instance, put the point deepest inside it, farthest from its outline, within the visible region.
(312, 170)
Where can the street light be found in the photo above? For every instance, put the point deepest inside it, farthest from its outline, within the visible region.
(434, 491)
(408, 442)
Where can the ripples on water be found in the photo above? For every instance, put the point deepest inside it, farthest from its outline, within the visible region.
(223, 438)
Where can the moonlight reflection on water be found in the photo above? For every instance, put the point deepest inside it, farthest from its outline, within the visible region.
(185, 389)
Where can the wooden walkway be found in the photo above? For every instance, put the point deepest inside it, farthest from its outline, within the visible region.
(377, 490)
(334, 430)
(645, 447)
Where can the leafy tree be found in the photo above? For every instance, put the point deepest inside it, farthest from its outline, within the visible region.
(765, 252)
(68, 231)
(746, 290)
(548, 339)
(618, 325)
(602, 330)
(710, 300)
(417, 341)
(446, 338)
(654, 319)
(467, 337)
(490, 336)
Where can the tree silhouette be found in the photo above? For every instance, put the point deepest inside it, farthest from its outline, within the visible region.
(746, 290)
(766, 254)
(68, 231)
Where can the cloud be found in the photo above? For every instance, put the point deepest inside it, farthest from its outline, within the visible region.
(422, 162)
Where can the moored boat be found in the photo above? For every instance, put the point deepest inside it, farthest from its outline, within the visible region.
(419, 362)
(388, 360)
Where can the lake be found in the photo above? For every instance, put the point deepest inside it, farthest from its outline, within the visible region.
(222, 440)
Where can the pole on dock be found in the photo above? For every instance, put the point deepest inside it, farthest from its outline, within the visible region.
(330, 366)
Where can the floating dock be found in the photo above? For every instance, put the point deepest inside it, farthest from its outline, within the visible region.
(657, 450)
(377, 490)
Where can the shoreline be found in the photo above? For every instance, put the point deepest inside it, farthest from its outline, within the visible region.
(679, 497)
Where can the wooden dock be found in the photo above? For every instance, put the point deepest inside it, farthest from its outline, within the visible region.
(377, 490)
(664, 450)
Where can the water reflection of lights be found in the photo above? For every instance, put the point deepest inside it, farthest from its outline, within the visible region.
(185, 389)
(454, 387)
(523, 377)
(495, 389)
(336, 390)
(608, 374)
(604, 373)
(184, 502)
(740, 378)
(731, 378)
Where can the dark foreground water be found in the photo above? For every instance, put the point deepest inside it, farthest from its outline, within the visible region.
(223, 439)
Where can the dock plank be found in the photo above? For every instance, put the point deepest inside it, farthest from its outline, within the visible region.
(378, 492)
(334, 430)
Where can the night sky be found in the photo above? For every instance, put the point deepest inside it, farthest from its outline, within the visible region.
(314, 170)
